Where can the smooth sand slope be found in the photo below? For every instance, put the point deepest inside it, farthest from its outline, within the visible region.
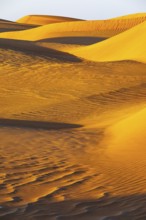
(104, 29)
(44, 19)
(64, 151)
(130, 45)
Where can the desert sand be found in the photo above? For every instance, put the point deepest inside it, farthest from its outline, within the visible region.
(72, 130)
(6, 26)
(134, 41)
(44, 19)
(131, 16)
(100, 28)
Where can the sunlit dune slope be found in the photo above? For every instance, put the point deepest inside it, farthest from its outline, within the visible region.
(130, 45)
(44, 19)
(131, 139)
(131, 16)
(106, 28)
(6, 26)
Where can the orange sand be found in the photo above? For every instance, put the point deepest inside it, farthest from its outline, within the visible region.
(99, 28)
(134, 41)
(72, 132)
(44, 19)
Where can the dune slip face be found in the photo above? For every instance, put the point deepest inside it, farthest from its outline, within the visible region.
(72, 131)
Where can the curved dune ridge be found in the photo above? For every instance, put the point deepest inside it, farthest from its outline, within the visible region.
(129, 45)
(100, 28)
(44, 19)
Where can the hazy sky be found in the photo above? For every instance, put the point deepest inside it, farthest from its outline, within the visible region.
(86, 9)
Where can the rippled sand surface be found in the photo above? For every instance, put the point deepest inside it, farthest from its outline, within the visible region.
(72, 139)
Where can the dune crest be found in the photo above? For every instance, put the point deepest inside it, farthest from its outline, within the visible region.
(44, 19)
(131, 16)
(99, 28)
(129, 45)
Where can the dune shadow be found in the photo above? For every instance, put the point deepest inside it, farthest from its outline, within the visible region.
(9, 29)
(28, 47)
(130, 207)
(36, 124)
(82, 40)
(7, 26)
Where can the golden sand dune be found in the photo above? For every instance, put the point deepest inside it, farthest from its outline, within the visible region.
(6, 26)
(129, 45)
(63, 138)
(131, 16)
(72, 132)
(44, 19)
(104, 29)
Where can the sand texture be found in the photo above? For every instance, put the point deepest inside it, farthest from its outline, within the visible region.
(112, 49)
(6, 26)
(44, 19)
(72, 131)
(105, 29)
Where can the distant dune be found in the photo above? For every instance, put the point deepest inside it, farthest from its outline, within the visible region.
(44, 19)
(131, 16)
(130, 45)
(6, 26)
(106, 28)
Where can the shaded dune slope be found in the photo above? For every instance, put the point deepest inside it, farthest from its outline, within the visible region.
(67, 44)
(6, 26)
(129, 45)
(103, 29)
(31, 48)
(76, 40)
(44, 19)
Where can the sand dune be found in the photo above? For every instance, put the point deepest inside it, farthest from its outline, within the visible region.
(6, 26)
(129, 45)
(72, 131)
(131, 16)
(44, 19)
(63, 138)
(103, 29)
(67, 44)
(30, 48)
